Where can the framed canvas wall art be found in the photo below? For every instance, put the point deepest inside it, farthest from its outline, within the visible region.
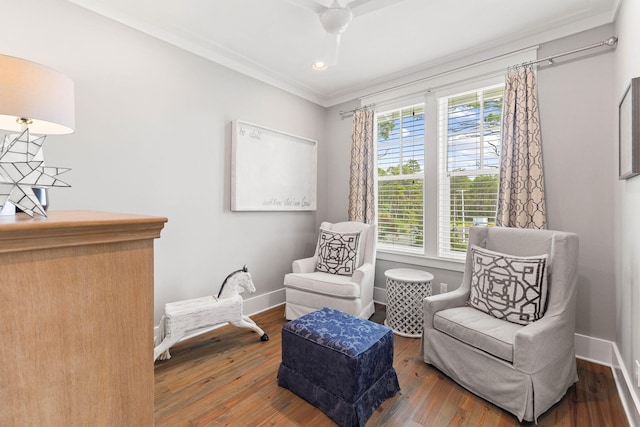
(629, 131)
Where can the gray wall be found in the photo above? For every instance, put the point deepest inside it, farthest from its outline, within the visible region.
(627, 206)
(153, 137)
(578, 123)
(338, 137)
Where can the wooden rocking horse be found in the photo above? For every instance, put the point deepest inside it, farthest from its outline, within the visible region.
(183, 317)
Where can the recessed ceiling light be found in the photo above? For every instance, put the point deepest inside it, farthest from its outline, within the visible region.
(319, 66)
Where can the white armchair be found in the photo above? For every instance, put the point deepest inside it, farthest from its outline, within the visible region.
(524, 367)
(308, 289)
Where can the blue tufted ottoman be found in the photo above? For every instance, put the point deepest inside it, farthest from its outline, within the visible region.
(339, 363)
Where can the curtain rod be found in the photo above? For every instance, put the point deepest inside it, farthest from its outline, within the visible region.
(610, 42)
(348, 113)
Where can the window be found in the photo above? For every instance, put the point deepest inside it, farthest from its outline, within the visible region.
(469, 146)
(401, 178)
(461, 133)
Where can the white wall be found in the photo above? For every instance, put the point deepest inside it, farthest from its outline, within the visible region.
(153, 137)
(627, 205)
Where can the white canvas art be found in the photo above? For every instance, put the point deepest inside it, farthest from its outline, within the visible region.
(271, 170)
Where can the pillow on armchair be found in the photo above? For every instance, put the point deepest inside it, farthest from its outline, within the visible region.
(338, 252)
(508, 287)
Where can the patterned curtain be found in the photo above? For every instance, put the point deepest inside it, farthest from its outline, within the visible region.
(361, 184)
(521, 192)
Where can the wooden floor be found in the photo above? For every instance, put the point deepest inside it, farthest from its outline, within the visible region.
(228, 377)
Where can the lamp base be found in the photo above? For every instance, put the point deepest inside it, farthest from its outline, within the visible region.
(43, 197)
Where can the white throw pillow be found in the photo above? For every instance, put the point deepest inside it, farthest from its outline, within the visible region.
(509, 287)
(338, 252)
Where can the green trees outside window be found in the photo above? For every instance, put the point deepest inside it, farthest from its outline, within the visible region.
(401, 177)
(471, 136)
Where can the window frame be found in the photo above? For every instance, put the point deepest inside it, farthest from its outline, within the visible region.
(428, 256)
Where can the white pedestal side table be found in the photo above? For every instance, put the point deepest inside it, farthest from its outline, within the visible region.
(406, 288)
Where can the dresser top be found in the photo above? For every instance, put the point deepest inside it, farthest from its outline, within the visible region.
(73, 228)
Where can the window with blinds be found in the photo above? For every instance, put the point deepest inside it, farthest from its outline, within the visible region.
(469, 145)
(400, 149)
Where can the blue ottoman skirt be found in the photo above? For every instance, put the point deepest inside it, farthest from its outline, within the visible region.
(339, 363)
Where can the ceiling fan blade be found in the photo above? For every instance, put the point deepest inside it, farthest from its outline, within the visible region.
(360, 7)
(312, 5)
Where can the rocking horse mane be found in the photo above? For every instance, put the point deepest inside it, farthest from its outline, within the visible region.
(242, 270)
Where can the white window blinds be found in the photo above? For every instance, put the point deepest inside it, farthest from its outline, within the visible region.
(469, 146)
(400, 145)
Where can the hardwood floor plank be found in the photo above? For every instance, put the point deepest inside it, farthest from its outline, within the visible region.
(229, 377)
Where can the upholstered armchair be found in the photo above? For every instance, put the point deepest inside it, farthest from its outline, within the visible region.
(493, 335)
(339, 275)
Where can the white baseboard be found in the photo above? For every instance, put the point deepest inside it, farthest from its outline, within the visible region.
(594, 349)
(264, 302)
(606, 353)
(626, 390)
(380, 296)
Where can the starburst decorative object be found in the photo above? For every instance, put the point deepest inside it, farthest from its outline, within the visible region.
(34, 99)
(22, 168)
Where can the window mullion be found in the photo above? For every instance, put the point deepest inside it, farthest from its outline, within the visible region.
(481, 129)
(431, 175)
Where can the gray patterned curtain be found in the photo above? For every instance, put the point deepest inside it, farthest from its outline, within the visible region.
(521, 193)
(361, 185)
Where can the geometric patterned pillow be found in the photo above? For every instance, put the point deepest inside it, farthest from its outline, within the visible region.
(338, 252)
(508, 287)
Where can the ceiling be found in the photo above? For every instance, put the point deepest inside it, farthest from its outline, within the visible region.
(276, 41)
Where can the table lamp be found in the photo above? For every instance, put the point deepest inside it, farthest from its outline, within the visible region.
(34, 99)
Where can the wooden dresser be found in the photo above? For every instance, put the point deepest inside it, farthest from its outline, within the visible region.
(76, 319)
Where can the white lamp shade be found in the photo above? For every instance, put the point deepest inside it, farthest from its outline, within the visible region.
(35, 92)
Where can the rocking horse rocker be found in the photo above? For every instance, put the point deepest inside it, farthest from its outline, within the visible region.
(182, 317)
